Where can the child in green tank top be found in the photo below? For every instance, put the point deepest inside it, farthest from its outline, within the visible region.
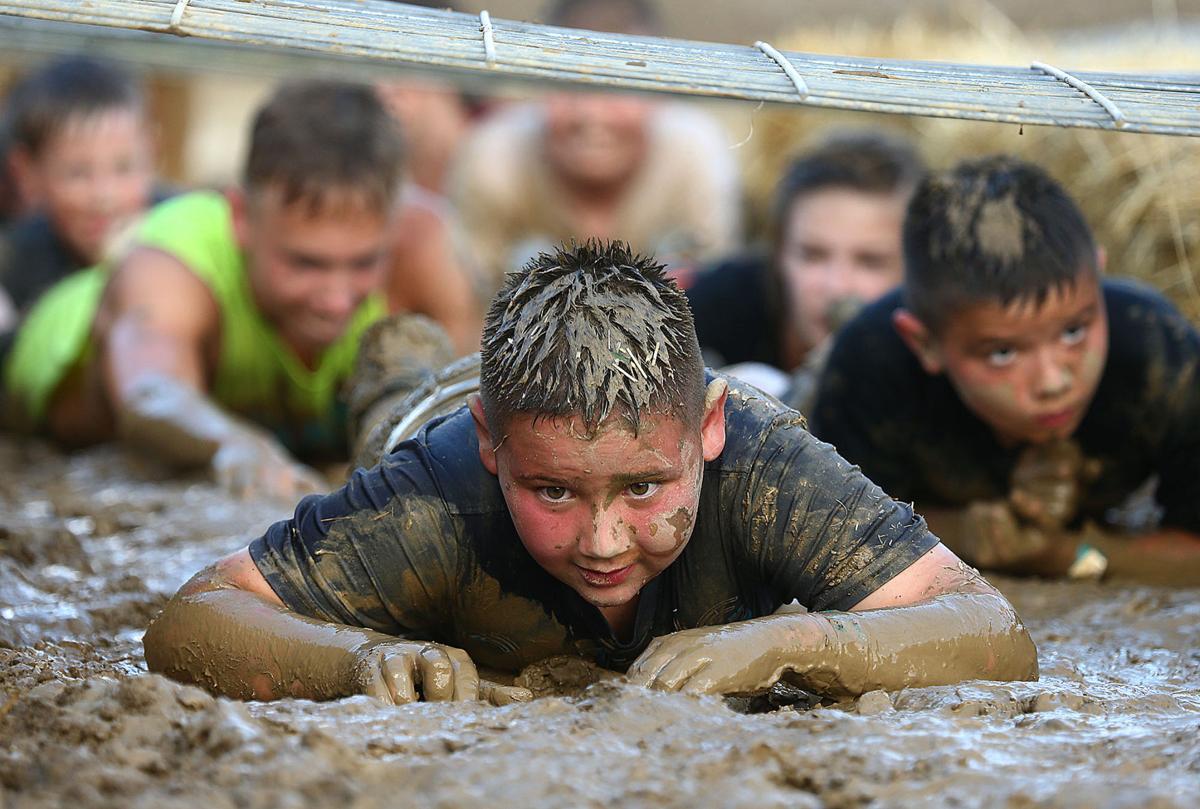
(221, 337)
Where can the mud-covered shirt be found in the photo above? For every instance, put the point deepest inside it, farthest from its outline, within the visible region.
(423, 546)
(910, 432)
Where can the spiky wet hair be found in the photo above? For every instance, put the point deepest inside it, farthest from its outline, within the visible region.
(591, 330)
(992, 229)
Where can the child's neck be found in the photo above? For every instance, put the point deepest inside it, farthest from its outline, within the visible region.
(621, 618)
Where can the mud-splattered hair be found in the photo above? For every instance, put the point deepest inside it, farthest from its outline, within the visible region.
(997, 229)
(590, 330)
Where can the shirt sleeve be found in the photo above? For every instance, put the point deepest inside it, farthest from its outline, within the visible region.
(821, 532)
(380, 553)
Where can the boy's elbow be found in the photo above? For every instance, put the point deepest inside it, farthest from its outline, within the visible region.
(176, 629)
(1014, 654)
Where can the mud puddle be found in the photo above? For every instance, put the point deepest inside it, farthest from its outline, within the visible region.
(90, 547)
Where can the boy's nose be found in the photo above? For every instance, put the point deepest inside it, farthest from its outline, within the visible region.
(1053, 376)
(338, 298)
(608, 537)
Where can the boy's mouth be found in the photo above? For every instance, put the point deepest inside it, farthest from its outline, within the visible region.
(605, 578)
(1059, 418)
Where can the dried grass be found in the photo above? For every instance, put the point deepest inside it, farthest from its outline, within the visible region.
(1141, 193)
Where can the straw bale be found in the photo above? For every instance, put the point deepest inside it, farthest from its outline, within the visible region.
(1141, 193)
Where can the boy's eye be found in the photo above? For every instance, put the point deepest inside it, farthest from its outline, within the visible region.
(1073, 335)
(1001, 357)
(554, 494)
(642, 489)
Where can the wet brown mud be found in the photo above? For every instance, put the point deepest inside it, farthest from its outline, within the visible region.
(91, 546)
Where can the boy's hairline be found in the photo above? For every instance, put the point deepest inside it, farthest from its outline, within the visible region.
(59, 124)
(498, 426)
(359, 194)
(937, 326)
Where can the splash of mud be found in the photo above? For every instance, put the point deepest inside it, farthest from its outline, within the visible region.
(91, 546)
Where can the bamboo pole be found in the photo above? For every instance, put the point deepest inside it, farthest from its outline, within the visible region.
(353, 35)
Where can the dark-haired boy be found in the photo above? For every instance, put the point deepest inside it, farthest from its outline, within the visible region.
(603, 497)
(1016, 396)
(224, 336)
(81, 151)
(834, 244)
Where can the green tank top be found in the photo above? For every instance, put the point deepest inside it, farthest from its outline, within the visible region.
(257, 375)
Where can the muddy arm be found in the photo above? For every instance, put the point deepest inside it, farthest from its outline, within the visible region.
(244, 643)
(227, 631)
(989, 535)
(936, 623)
(158, 327)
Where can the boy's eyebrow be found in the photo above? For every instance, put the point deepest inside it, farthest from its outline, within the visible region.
(301, 256)
(1088, 310)
(624, 478)
(648, 476)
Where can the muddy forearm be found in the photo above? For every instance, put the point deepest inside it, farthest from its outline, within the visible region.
(990, 535)
(235, 643)
(951, 638)
(173, 420)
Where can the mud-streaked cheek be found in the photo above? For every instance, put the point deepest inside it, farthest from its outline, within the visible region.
(547, 533)
(667, 530)
(1091, 366)
(991, 395)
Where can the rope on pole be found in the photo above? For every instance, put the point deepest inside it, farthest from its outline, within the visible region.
(177, 14)
(364, 37)
(788, 68)
(489, 38)
(1088, 90)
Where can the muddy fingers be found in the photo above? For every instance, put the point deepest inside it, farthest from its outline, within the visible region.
(403, 671)
(500, 695)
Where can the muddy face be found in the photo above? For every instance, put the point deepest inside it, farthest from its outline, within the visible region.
(311, 269)
(1029, 371)
(606, 512)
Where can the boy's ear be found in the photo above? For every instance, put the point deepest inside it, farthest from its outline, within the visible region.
(239, 211)
(487, 448)
(712, 426)
(920, 341)
(1101, 259)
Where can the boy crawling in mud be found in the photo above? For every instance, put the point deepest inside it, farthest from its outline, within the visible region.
(1016, 396)
(603, 497)
(222, 337)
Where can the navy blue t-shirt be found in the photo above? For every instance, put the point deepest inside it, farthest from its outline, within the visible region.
(423, 546)
(910, 432)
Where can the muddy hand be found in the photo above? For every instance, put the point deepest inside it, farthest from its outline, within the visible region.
(402, 671)
(1047, 483)
(253, 467)
(739, 658)
(499, 695)
(993, 537)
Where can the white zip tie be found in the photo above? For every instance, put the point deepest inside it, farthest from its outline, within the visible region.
(489, 39)
(1082, 86)
(177, 14)
(783, 62)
